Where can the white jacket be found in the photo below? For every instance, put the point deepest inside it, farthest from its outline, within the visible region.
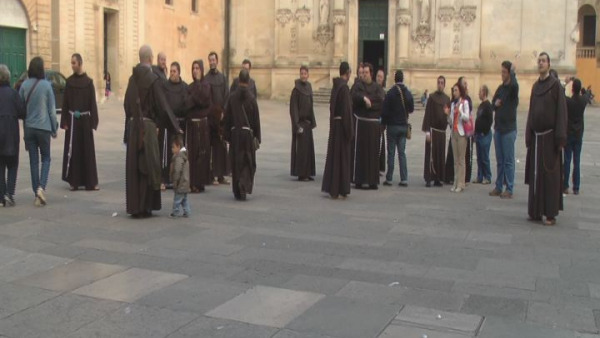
(464, 116)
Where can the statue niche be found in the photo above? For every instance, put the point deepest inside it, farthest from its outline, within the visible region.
(423, 27)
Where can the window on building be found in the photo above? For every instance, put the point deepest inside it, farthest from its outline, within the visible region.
(589, 31)
(169, 2)
(195, 6)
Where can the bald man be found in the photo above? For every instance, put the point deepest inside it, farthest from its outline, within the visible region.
(145, 104)
(160, 68)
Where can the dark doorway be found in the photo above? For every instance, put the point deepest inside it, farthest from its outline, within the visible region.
(374, 53)
(373, 32)
(589, 31)
(111, 50)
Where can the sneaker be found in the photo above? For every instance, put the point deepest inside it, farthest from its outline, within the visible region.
(507, 195)
(403, 184)
(186, 215)
(453, 189)
(477, 181)
(495, 193)
(486, 182)
(37, 202)
(387, 183)
(41, 196)
(172, 215)
(9, 201)
(457, 190)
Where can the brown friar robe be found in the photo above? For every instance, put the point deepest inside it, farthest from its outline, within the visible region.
(367, 133)
(198, 102)
(242, 125)
(468, 155)
(175, 92)
(303, 119)
(435, 122)
(144, 104)
(79, 118)
(336, 177)
(545, 136)
(251, 86)
(220, 93)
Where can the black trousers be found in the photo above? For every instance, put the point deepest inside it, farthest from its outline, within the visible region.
(9, 166)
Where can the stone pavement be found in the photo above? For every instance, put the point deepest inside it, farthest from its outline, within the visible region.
(291, 263)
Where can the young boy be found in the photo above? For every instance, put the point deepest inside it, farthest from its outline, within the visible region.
(180, 176)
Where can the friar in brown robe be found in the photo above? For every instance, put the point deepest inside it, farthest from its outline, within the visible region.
(220, 93)
(175, 92)
(367, 100)
(198, 102)
(242, 130)
(144, 104)
(336, 177)
(545, 138)
(435, 123)
(79, 119)
(303, 121)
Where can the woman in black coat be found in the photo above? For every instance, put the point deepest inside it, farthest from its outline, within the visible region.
(11, 110)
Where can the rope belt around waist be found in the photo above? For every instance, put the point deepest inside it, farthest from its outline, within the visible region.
(337, 118)
(244, 128)
(542, 133)
(74, 115)
(181, 119)
(366, 119)
(198, 120)
(143, 118)
(438, 130)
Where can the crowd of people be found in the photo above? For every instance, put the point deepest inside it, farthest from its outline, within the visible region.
(187, 136)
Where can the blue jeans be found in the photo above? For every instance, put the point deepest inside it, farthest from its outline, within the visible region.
(180, 201)
(37, 142)
(9, 166)
(505, 159)
(396, 138)
(573, 150)
(483, 143)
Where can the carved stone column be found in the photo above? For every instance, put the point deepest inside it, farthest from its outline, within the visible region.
(403, 20)
(339, 22)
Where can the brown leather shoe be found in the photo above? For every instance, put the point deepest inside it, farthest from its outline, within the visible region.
(506, 195)
(495, 193)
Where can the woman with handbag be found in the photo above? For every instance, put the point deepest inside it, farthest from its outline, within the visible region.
(459, 118)
(40, 125)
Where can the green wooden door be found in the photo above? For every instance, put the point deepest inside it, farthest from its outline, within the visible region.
(372, 26)
(13, 51)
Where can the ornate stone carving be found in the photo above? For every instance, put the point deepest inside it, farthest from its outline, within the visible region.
(423, 35)
(182, 35)
(446, 14)
(468, 14)
(294, 39)
(284, 16)
(323, 36)
(303, 15)
(339, 17)
(403, 19)
(424, 11)
(456, 44)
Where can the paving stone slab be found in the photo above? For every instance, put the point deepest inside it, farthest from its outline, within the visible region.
(129, 285)
(57, 318)
(495, 306)
(136, 321)
(440, 320)
(494, 327)
(372, 293)
(112, 246)
(519, 267)
(387, 267)
(16, 298)
(394, 331)
(71, 276)
(267, 306)
(564, 316)
(322, 285)
(594, 290)
(221, 328)
(293, 334)
(447, 301)
(28, 265)
(343, 317)
(194, 294)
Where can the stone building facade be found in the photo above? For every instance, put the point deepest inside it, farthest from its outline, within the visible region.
(108, 34)
(425, 38)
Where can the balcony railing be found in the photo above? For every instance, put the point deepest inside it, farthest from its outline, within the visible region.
(586, 52)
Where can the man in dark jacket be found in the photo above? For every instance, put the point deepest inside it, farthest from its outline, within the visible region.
(11, 110)
(505, 103)
(575, 109)
(483, 137)
(397, 105)
(145, 104)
